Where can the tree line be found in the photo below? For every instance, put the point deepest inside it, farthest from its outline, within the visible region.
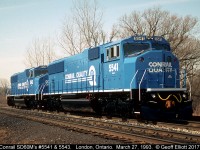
(83, 28)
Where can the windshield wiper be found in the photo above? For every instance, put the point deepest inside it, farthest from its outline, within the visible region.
(135, 54)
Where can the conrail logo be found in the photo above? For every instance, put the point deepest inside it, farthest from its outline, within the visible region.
(82, 76)
(160, 67)
(25, 85)
(92, 72)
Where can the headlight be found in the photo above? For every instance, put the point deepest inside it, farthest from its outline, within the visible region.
(184, 95)
(153, 95)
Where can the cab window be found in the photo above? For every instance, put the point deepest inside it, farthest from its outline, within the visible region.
(31, 74)
(112, 52)
(40, 72)
(157, 46)
(133, 49)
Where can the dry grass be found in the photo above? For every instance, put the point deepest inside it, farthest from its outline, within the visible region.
(3, 101)
(197, 111)
(3, 134)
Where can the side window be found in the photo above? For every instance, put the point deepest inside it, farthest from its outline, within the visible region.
(107, 55)
(113, 52)
(31, 74)
(118, 50)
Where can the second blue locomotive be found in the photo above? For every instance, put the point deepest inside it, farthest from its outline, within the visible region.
(129, 76)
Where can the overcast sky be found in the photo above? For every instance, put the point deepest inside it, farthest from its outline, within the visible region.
(23, 20)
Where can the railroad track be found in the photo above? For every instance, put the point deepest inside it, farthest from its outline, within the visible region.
(123, 131)
(186, 126)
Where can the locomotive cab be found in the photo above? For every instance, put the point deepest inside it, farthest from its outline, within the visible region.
(155, 82)
(25, 87)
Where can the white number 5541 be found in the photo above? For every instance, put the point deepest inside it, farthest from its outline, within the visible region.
(113, 67)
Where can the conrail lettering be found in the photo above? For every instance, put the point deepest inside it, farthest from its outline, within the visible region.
(23, 85)
(160, 67)
(160, 64)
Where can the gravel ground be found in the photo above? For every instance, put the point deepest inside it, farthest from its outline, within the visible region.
(21, 131)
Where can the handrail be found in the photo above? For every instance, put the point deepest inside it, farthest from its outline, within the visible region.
(37, 89)
(131, 94)
(140, 84)
(44, 85)
(175, 77)
(186, 79)
(40, 90)
(190, 91)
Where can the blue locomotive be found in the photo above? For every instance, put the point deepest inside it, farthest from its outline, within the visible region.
(136, 75)
(24, 87)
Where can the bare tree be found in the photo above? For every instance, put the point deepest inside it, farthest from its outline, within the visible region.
(114, 33)
(131, 25)
(189, 56)
(177, 30)
(195, 82)
(155, 21)
(4, 86)
(40, 52)
(84, 28)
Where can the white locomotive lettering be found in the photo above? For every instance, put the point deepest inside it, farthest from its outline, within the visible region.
(160, 67)
(113, 68)
(155, 70)
(82, 76)
(69, 76)
(23, 85)
(160, 64)
(31, 82)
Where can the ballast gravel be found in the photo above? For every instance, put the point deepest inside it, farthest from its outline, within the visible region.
(22, 131)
